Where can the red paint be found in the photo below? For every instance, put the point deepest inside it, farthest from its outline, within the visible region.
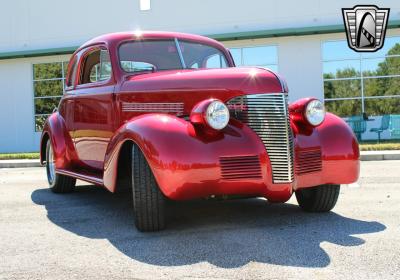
(297, 111)
(198, 117)
(91, 125)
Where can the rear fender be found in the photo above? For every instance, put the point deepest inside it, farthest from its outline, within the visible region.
(63, 148)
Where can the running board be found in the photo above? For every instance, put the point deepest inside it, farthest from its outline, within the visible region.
(84, 177)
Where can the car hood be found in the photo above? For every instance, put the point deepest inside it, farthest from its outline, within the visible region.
(192, 86)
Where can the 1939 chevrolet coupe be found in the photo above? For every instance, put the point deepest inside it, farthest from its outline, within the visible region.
(170, 116)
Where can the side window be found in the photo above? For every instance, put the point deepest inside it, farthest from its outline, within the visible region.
(215, 61)
(96, 67)
(72, 73)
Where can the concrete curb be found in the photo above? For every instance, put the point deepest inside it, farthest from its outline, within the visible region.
(19, 163)
(365, 156)
(379, 155)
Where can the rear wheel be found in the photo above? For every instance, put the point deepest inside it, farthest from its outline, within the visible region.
(148, 201)
(318, 199)
(58, 183)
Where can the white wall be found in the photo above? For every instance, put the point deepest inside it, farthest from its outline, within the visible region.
(42, 24)
(27, 24)
(17, 123)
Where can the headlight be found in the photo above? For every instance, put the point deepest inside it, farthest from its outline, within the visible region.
(315, 112)
(217, 115)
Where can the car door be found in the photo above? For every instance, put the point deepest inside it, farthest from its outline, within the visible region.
(94, 114)
(66, 107)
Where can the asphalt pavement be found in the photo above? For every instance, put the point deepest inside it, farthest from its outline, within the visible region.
(89, 234)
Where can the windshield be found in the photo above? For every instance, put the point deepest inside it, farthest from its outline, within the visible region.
(153, 55)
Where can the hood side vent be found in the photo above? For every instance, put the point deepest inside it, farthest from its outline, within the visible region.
(176, 108)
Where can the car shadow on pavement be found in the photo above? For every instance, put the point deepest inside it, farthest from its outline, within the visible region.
(227, 234)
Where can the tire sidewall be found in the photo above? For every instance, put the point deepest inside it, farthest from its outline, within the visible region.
(52, 183)
(148, 200)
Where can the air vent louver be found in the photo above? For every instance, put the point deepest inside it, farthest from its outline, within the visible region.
(240, 167)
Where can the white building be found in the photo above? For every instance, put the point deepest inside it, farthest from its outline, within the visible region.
(302, 40)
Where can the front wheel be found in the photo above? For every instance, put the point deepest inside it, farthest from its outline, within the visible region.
(318, 199)
(148, 201)
(58, 183)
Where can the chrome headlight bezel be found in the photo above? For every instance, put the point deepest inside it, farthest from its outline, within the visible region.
(315, 112)
(217, 115)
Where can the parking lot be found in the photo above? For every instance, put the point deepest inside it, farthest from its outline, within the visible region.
(90, 234)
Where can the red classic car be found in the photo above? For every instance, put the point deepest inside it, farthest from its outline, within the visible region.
(170, 116)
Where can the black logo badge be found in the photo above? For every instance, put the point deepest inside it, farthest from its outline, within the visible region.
(365, 27)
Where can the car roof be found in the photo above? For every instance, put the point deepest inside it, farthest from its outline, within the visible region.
(113, 38)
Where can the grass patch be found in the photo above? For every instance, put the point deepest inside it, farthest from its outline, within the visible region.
(20, 156)
(367, 146)
(379, 147)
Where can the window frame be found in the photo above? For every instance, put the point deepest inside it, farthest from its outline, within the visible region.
(84, 54)
(360, 59)
(72, 69)
(62, 79)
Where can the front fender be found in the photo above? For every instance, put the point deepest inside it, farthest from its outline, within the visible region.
(185, 160)
(63, 148)
(339, 152)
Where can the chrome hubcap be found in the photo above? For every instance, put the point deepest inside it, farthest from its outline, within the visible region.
(51, 166)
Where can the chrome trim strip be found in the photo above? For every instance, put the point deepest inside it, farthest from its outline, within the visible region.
(153, 107)
(86, 178)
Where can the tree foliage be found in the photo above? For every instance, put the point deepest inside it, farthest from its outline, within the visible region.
(48, 89)
(387, 86)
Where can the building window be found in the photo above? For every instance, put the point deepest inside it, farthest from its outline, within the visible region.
(362, 83)
(260, 56)
(145, 5)
(48, 87)
(363, 87)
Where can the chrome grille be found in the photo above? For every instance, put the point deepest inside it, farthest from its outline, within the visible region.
(267, 115)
